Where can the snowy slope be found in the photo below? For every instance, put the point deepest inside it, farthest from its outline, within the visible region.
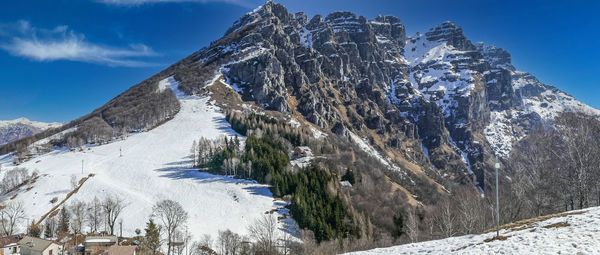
(155, 165)
(580, 237)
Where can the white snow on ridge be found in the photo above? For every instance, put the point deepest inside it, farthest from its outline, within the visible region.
(155, 165)
(550, 103)
(432, 71)
(306, 37)
(499, 133)
(364, 145)
(36, 124)
(580, 237)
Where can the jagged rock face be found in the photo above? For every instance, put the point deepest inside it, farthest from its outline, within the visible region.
(463, 102)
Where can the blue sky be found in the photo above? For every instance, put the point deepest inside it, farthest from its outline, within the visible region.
(61, 59)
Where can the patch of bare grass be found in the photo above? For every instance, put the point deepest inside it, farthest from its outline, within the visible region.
(500, 238)
(558, 225)
(519, 224)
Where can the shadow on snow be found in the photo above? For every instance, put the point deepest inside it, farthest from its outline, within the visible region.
(181, 170)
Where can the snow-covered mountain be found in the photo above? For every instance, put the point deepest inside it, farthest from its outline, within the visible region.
(11, 130)
(574, 232)
(145, 168)
(433, 109)
(458, 104)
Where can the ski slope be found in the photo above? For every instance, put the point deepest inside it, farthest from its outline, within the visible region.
(155, 165)
(542, 237)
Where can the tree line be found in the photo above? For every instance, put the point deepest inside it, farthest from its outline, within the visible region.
(140, 108)
(558, 169)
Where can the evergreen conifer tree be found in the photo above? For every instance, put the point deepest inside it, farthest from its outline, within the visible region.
(63, 221)
(152, 238)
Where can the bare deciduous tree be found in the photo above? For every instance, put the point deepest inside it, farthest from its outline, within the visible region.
(203, 247)
(94, 214)
(78, 210)
(412, 225)
(13, 178)
(445, 218)
(74, 182)
(229, 243)
(264, 234)
(112, 208)
(172, 216)
(11, 216)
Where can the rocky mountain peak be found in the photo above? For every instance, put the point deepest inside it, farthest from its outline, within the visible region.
(450, 33)
(269, 9)
(496, 57)
(354, 77)
(389, 27)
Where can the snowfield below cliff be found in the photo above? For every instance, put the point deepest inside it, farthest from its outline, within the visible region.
(154, 165)
(574, 232)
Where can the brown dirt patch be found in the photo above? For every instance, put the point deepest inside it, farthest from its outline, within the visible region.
(519, 224)
(500, 238)
(558, 225)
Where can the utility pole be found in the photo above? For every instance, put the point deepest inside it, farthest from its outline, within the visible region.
(82, 166)
(121, 228)
(120, 152)
(497, 166)
(186, 240)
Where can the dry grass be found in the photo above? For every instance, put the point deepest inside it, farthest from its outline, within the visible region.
(226, 97)
(399, 188)
(491, 239)
(499, 238)
(54, 209)
(52, 214)
(522, 224)
(558, 225)
(523, 227)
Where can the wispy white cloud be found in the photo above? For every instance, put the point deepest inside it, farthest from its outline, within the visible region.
(61, 43)
(243, 3)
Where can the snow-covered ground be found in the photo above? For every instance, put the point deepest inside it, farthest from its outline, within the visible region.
(155, 165)
(580, 236)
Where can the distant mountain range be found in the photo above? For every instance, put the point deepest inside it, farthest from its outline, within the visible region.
(11, 130)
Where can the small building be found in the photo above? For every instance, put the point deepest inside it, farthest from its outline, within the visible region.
(11, 249)
(120, 250)
(9, 246)
(95, 245)
(302, 152)
(37, 246)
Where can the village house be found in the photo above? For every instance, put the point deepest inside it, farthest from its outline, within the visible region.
(37, 246)
(301, 152)
(9, 246)
(95, 245)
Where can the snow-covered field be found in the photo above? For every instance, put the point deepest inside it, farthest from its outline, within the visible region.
(155, 165)
(579, 237)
